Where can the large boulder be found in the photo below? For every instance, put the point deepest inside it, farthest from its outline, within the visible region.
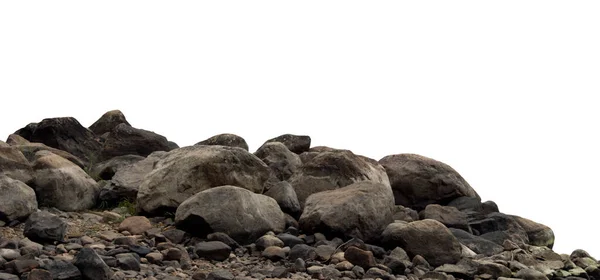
(539, 234)
(17, 200)
(283, 162)
(361, 210)
(296, 143)
(447, 215)
(60, 183)
(184, 172)
(108, 122)
(225, 139)
(65, 134)
(286, 197)
(107, 169)
(418, 181)
(427, 238)
(498, 227)
(240, 213)
(29, 151)
(478, 244)
(333, 169)
(126, 182)
(127, 140)
(14, 164)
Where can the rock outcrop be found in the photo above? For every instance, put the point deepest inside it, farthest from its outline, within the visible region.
(225, 139)
(127, 140)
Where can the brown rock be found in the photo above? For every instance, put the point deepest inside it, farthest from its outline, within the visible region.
(135, 225)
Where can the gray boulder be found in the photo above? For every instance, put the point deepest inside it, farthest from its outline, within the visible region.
(538, 234)
(127, 140)
(187, 171)
(361, 210)
(126, 181)
(14, 164)
(60, 183)
(240, 213)
(427, 238)
(225, 139)
(65, 134)
(45, 227)
(17, 200)
(447, 215)
(283, 162)
(296, 143)
(478, 244)
(332, 169)
(107, 169)
(286, 197)
(108, 122)
(418, 181)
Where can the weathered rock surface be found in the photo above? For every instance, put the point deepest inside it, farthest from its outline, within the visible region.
(107, 169)
(296, 143)
(45, 227)
(427, 238)
(29, 151)
(285, 195)
(126, 182)
(225, 139)
(65, 134)
(60, 183)
(238, 212)
(498, 227)
(17, 200)
(333, 169)
(127, 140)
(360, 210)
(282, 162)
(418, 181)
(14, 140)
(538, 234)
(14, 164)
(91, 265)
(108, 121)
(184, 172)
(447, 215)
(478, 244)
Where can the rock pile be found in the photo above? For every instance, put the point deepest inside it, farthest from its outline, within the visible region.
(118, 202)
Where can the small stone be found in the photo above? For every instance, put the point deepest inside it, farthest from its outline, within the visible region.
(223, 237)
(220, 274)
(45, 227)
(274, 253)
(362, 258)
(125, 240)
(315, 269)
(174, 235)
(214, 250)
(530, 274)
(154, 258)
(91, 265)
(299, 265)
(140, 250)
(290, 240)
(111, 217)
(375, 272)
(135, 225)
(345, 265)
(324, 252)
(268, 241)
(39, 274)
(109, 235)
(303, 251)
(9, 254)
(61, 269)
(128, 261)
(358, 271)
(22, 266)
(172, 254)
(73, 246)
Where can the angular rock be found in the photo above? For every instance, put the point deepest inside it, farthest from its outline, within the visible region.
(225, 139)
(494, 269)
(107, 169)
(428, 238)
(184, 172)
(268, 241)
(539, 234)
(135, 225)
(65, 134)
(60, 183)
(530, 274)
(418, 181)
(447, 215)
(39, 274)
(213, 250)
(128, 261)
(360, 210)
(60, 269)
(362, 258)
(92, 266)
(127, 180)
(17, 200)
(108, 121)
(296, 143)
(324, 252)
(175, 235)
(240, 213)
(45, 227)
(334, 169)
(478, 244)
(223, 237)
(220, 274)
(285, 195)
(282, 162)
(127, 140)
(406, 214)
(290, 240)
(14, 165)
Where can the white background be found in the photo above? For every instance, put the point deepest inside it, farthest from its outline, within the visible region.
(503, 91)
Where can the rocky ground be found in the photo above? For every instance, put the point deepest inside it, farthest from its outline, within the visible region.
(115, 202)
